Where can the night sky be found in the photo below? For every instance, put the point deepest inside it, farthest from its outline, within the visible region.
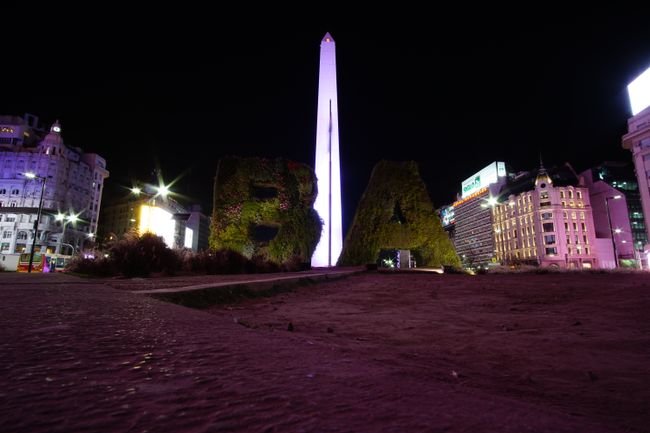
(179, 89)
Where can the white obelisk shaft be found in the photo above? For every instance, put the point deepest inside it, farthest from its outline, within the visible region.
(328, 169)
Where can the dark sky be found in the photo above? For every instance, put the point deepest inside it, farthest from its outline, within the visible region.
(180, 88)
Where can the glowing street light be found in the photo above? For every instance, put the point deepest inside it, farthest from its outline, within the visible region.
(30, 175)
(163, 190)
(135, 190)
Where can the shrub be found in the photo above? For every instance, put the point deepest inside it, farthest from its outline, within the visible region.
(98, 267)
(136, 256)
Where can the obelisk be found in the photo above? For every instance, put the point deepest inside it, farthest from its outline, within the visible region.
(327, 166)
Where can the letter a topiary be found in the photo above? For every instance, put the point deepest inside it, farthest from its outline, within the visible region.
(396, 212)
(264, 208)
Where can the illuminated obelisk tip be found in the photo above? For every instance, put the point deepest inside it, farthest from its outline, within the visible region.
(327, 166)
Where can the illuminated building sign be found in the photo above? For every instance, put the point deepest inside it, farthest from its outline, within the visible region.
(483, 178)
(471, 196)
(157, 221)
(448, 216)
(639, 92)
(6, 129)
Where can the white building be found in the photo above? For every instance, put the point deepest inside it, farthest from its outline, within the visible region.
(74, 183)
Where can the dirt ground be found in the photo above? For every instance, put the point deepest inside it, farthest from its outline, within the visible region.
(578, 344)
(368, 353)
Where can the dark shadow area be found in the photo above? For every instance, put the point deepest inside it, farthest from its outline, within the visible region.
(262, 192)
(264, 233)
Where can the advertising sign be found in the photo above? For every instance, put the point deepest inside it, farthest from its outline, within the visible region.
(483, 178)
(639, 92)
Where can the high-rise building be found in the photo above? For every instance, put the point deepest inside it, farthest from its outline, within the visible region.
(327, 166)
(470, 227)
(637, 139)
(605, 182)
(74, 182)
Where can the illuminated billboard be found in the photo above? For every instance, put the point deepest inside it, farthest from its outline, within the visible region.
(448, 216)
(639, 92)
(483, 178)
(157, 221)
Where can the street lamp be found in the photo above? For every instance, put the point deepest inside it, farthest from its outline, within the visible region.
(30, 175)
(611, 230)
(66, 219)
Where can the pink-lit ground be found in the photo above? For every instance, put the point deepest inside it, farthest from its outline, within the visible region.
(370, 353)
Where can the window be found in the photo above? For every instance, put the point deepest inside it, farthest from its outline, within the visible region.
(547, 215)
(584, 239)
(5, 246)
(565, 214)
(561, 193)
(584, 227)
(573, 215)
(582, 215)
(551, 251)
(21, 235)
(6, 235)
(577, 238)
(587, 250)
(549, 239)
(12, 204)
(568, 239)
(10, 219)
(570, 194)
(15, 191)
(543, 195)
(566, 226)
(579, 194)
(3, 191)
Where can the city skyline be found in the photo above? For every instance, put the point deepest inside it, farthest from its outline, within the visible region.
(498, 90)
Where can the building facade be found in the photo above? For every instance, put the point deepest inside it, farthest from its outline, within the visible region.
(546, 226)
(163, 216)
(618, 219)
(74, 182)
(637, 140)
(469, 220)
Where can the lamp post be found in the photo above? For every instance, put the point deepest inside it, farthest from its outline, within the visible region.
(66, 219)
(38, 216)
(611, 230)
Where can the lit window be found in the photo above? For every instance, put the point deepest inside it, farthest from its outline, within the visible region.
(570, 193)
(579, 193)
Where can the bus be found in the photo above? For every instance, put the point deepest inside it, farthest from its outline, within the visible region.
(52, 262)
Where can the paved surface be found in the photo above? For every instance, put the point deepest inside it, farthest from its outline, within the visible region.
(253, 280)
(78, 356)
